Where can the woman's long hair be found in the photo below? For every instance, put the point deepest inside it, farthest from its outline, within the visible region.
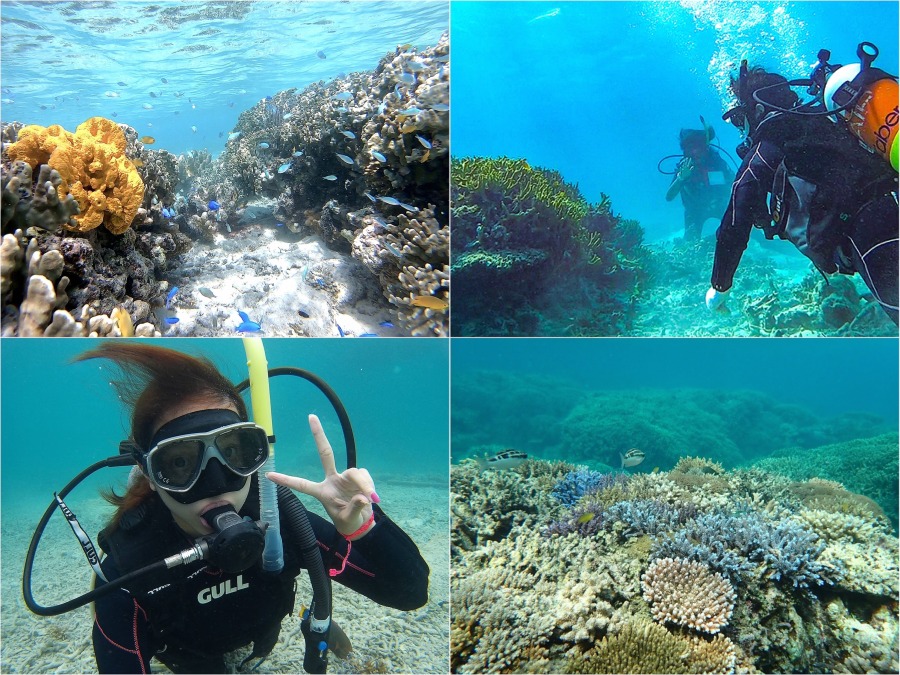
(154, 380)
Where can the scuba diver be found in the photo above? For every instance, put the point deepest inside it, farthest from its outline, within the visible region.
(702, 178)
(197, 461)
(830, 166)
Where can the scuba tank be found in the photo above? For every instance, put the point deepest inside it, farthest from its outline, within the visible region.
(866, 99)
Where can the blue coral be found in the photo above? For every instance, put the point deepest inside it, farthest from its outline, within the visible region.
(575, 484)
(736, 544)
(650, 516)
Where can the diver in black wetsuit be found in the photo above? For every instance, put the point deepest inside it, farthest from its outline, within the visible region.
(189, 426)
(834, 200)
(703, 180)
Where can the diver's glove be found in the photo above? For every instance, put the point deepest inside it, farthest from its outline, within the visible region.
(715, 300)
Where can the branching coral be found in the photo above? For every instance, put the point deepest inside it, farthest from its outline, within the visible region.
(92, 167)
(688, 594)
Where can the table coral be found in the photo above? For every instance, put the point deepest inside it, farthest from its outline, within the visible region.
(688, 594)
(93, 169)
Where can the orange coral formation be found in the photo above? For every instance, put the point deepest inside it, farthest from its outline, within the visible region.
(93, 167)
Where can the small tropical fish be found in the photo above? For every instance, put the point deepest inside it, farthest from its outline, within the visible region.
(345, 159)
(386, 324)
(234, 135)
(424, 141)
(171, 320)
(340, 330)
(349, 134)
(393, 249)
(205, 292)
(585, 518)
(369, 335)
(382, 106)
(297, 153)
(148, 140)
(152, 95)
(410, 111)
(330, 176)
(170, 295)
(431, 302)
(320, 54)
(246, 325)
(343, 96)
(213, 205)
(287, 116)
(264, 145)
(138, 163)
(115, 114)
(443, 58)
(111, 94)
(425, 156)
(371, 198)
(407, 78)
(440, 107)
(408, 207)
(164, 80)
(632, 458)
(414, 66)
(123, 320)
(122, 84)
(507, 459)
(285, 167)
(377, 155)
(390, 200)
(303, 314)
(167, 213)
(194, 128)
(147, 106)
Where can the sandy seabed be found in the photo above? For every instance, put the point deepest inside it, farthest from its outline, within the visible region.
(384, 640)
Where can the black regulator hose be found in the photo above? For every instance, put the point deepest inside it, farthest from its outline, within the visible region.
(322, 385)
(119, 460)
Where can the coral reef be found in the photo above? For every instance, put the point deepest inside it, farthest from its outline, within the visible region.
(688, 594)
(372, 144)
(525, 234)
(767, 300)
(866, 466)
(782, 588)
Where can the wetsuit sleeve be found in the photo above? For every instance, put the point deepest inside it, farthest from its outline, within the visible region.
(746, 206)
(385, 565)
(123, 639)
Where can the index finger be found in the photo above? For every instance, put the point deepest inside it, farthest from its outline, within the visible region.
(326, 454)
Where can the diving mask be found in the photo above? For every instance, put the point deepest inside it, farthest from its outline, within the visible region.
(182, 448)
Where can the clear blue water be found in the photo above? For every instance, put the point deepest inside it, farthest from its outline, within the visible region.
(59, 417)
(599, 90)
(828, 376)
(62, 62)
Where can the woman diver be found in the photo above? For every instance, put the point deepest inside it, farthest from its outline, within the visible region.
(198, 458)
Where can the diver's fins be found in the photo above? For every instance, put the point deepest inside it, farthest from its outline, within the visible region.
(338, 642)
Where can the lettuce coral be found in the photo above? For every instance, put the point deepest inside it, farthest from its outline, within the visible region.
(93, 169)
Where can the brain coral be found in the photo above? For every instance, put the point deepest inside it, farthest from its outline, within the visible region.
(688, 594)
(93, 168)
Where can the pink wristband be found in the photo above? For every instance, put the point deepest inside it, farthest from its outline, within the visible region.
(365, 526)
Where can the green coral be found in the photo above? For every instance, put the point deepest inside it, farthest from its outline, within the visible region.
(517, 178)
(500, 261)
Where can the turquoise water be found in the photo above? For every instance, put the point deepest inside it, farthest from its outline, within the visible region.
(598, 91)
(520, 392)
(60, 417)
(63, 62)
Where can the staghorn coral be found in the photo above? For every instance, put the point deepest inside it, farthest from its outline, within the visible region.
(93, 169)
(688, 594)
(640, 647)
(542, 604)
(575, 484)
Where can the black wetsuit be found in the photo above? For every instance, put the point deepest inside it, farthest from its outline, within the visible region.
(705, 193)
(190, 616)
(854, 205)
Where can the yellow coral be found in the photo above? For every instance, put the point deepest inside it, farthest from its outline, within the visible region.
(93, 167)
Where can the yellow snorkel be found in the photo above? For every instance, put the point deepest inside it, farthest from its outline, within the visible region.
(258, 368)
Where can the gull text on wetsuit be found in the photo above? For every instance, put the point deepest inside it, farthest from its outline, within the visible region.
(226, 587)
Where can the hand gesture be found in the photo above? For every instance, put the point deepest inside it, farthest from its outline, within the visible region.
(347, 496)
(686, 169)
